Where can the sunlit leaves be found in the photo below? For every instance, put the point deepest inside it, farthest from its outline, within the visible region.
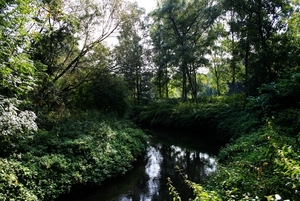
(16, 73)
(181, 29)
(17, 70)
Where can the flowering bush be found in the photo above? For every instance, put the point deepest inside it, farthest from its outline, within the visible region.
(14, 123)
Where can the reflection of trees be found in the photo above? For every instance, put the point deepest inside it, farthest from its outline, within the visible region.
(196, 165)
(161, 163)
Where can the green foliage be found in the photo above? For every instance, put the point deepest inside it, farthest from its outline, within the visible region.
(199, 192)
(258, 165)
(86, 148)
(12, 173)
(104, 92)
(17, 74)
(258, 39)
(181, 36)
(15, 124)
(16, 69)
(173, 191)
(262, 160)
(223, 113)
(263, 164)
(275, 98)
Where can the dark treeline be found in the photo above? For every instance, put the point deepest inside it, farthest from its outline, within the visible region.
(69, 65)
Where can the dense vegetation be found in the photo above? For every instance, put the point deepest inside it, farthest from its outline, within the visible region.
(227, 66)
(85, 148)
(210, 115)
(61, 108)
(261, 161)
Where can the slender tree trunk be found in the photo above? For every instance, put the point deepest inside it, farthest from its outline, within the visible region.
(166, 87)
(160, 88)
(160, 82)
(137, 82)
(217, 80)
(247, 66)
(192, 83)
(266, 56)
(233, 65)
(195, 83)
(184, 81)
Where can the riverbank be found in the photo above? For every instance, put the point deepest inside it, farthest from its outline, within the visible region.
(223, 117)
(148, 179)
(86, 147)
(262, 159)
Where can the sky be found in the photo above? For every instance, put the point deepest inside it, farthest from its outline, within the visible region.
(149, 5)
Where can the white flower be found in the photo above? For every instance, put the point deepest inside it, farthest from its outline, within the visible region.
(277, 197)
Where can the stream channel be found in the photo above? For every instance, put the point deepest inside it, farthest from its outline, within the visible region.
(147, 181)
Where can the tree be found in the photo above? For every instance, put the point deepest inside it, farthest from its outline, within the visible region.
(161, 57)
(103, 90)
(257, 25)
(290, 48)
(186, 25)
(130, 54)
(67, 33)
(219, 69)
(17, 74)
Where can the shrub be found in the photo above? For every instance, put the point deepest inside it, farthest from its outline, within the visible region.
(86, 148)
(14, 124)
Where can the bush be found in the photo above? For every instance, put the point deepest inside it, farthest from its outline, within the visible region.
(15, 124)
(262, 160)
(223, 115)
(86, 148)
(258, 165)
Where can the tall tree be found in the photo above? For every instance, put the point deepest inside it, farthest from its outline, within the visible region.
(258, 24)
(187, 22)
(162, 59)
(129, 54)
(219, 59)
(67, 32)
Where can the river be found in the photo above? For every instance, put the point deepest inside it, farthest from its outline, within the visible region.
(147, 181)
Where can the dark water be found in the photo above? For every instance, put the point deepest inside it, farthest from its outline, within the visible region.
(148, 180)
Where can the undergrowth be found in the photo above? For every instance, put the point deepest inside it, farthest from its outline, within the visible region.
(260, 165)
(262, 160)
(223, 116)
(86, 148)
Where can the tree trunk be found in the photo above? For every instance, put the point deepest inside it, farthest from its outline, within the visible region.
(233, 66)
(184, 83)
(166, 86)
(192, 83)
(247, 66)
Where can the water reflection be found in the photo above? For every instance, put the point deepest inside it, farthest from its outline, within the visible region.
(153, 171)
(148, 180)
(161, 162)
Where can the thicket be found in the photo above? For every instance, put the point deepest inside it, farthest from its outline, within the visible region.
(222, 116)
(262, 160)
(51, 70)
(86, 147)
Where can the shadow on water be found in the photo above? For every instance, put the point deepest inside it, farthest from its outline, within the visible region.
(147, 181)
